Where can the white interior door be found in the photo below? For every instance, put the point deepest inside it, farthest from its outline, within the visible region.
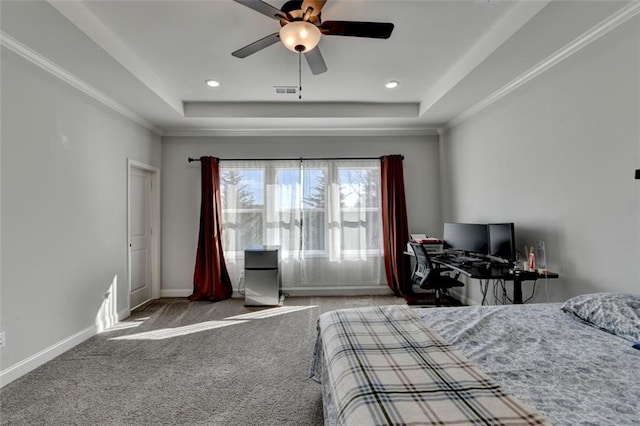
(140, 244)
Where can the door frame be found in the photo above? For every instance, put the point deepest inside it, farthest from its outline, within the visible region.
(154, 207)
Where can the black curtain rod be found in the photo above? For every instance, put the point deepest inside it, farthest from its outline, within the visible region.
(293, 159)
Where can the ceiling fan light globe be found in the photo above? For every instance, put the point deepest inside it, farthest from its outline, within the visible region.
(300, 33)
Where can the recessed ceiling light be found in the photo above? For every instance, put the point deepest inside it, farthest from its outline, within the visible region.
(212, 83)
(391, 84)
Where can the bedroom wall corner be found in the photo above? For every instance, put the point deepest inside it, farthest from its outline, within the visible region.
(556, 157)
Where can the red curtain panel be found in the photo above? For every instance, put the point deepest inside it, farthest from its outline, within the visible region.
(395, 229)
(210, 279)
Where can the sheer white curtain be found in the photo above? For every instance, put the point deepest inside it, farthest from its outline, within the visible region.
(324, 215)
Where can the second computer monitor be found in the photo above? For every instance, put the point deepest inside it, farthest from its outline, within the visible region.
(468, 237)
(502, 242)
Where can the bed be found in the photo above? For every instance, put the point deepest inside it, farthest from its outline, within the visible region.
(576, 363)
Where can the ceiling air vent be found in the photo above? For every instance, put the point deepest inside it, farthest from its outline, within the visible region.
(285, 90)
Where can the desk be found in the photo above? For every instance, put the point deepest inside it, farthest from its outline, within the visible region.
(496, 273)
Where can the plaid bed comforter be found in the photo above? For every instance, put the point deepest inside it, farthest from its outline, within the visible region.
(382, 365)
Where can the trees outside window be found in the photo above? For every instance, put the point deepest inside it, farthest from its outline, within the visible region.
(323, 215)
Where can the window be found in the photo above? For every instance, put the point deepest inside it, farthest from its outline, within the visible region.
(324, 216)
(244, 190)
(359, 206)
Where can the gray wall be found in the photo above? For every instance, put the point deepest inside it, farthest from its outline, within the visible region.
(557, 157)
(181, 184)
(64, 164)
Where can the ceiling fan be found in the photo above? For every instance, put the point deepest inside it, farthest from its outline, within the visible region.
(302, 27)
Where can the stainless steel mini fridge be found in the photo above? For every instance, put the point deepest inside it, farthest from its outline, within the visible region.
(261, 276)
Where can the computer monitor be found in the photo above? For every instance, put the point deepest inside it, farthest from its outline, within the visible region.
(468, 237)
(502, 241)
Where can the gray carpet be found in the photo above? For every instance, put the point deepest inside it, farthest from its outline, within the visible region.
(185, 363)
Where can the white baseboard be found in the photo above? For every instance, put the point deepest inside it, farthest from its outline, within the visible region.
(187, 293)
(176, 293)
(303, 291)
(124, 314)
(21, 368)
(339, 291)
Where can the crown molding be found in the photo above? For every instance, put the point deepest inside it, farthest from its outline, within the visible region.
(59, 72)
(517, 17)
(80, 16)
(200, 109)
(422, 131)
(612, 22)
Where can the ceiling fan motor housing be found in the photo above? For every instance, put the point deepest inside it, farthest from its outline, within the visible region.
(293, 9)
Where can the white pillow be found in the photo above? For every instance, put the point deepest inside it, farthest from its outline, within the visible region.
(616, 313)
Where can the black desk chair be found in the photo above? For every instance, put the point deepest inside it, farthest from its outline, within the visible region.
(430, 277)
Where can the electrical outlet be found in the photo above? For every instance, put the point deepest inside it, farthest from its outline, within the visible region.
(2, 340)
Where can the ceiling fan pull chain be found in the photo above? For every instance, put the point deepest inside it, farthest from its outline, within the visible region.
(299, 74)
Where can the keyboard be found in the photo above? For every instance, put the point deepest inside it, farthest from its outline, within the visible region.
(464, 259)
(460, 260)
(450, 258)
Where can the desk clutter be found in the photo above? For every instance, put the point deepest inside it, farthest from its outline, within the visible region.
(488, 245)
(479, 251)
(473, 261)
(431, 245)
(496, 271)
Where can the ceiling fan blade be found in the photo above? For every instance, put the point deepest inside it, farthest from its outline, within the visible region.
(316, 61)
(357, 29)
(264, 8)
(315, 4)
(252, 48)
